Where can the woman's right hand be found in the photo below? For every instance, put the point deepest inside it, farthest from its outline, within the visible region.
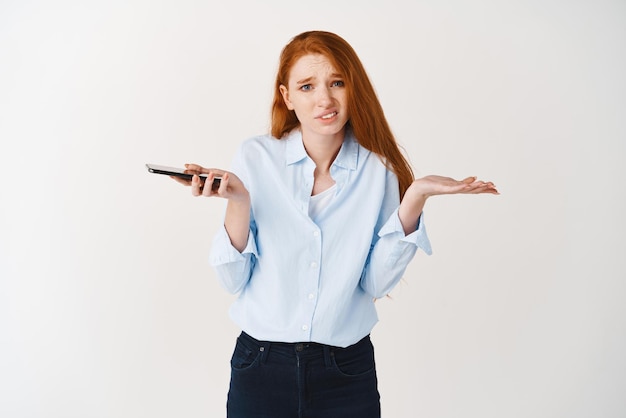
(231, 187)
(237, 217)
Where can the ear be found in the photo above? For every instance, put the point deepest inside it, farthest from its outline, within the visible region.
(285, 93)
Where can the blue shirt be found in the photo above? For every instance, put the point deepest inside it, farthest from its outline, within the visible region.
(303, 280)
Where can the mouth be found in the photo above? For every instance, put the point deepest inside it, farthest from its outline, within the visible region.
(328, 115)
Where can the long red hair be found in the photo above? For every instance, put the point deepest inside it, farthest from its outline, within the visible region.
(367, 119)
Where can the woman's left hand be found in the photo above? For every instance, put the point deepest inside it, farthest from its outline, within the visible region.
(437, 185)
(421, 189)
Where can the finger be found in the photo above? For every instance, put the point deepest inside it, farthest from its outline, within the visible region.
(196, 185)
(216, 180)
(208, 184)
(485, 188)
(469, 187)
(195, 167)
(221, 190)
(469, 180)
(479, 185)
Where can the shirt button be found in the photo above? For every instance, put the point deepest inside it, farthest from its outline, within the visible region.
(305, 327)
(311, 295)
(313, 265)
(316, 233)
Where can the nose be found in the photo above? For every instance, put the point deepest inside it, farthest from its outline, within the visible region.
(324, 96)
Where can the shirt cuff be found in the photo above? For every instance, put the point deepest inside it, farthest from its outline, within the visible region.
(419, 237)
(223, 251)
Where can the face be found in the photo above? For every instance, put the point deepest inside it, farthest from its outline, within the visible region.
(317, 94)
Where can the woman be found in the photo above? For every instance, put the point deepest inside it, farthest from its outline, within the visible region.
(323, 217)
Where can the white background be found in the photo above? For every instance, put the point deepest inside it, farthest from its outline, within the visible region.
(108, 307)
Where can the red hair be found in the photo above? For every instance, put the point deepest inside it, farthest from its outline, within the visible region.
(367, 119)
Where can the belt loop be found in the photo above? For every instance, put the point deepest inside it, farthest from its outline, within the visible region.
(327, 354)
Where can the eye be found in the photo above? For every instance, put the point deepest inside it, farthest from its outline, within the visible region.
(306, 87)
(338, 83)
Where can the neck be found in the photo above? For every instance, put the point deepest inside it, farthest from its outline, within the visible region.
(322, 149)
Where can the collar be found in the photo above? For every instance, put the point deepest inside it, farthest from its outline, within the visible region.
(347, 158)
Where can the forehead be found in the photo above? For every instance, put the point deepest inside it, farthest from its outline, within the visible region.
(311, 65)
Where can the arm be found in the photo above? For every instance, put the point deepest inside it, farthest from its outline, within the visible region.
(404, 232)
(237, 222)
(237, 218)
(233, 253)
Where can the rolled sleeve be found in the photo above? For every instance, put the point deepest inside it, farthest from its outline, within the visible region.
(223, 251)
(391, 254)
(232, 267)
(419, 237)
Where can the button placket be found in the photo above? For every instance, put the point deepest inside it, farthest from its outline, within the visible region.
(311, 283)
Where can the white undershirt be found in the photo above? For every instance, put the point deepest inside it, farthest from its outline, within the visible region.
(320, 201)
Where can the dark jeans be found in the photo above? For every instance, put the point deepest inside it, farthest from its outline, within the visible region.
(303, 380)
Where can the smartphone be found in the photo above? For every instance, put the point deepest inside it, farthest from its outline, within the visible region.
(181, 172)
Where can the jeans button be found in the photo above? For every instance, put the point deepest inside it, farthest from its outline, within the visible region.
(299, 347)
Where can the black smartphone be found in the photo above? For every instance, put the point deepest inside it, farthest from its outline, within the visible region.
(181, 172)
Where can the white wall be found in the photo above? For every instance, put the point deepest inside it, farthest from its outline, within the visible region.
(108, 307)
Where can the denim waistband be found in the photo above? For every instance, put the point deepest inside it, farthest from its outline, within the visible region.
(299, 349)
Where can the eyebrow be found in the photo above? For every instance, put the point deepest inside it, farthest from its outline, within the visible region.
(304, 80)
(309, 79)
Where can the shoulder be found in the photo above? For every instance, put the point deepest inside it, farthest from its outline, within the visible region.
(258, 146)
(259, 143)
(260, 153)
